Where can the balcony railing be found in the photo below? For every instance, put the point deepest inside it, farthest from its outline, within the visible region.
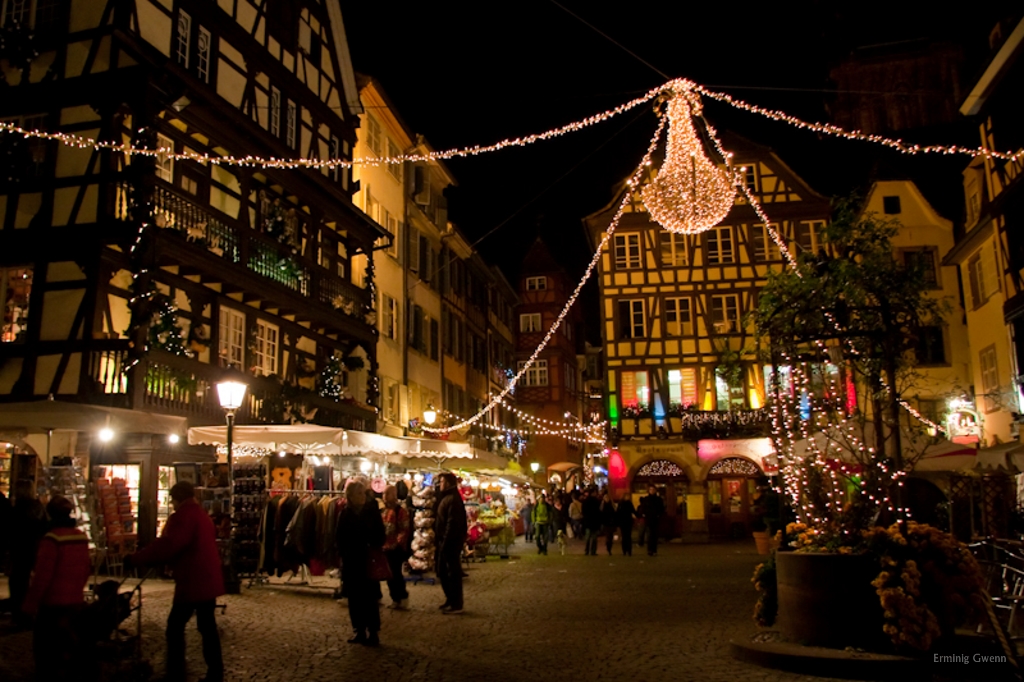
(173, 385)
(255, 251)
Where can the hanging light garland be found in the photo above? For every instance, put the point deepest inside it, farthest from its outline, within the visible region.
(623, 203)
(668, 89)
(691, 193)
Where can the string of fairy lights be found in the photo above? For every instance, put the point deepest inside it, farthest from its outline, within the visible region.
(690, 88)
(691, 193)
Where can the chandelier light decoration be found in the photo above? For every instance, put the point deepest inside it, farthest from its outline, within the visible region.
(691, 193)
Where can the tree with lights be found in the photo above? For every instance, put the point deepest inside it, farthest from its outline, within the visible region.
(841, 327)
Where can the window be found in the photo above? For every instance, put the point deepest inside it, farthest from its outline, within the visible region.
(750, 177)
(292, 124)
(417, 333)
(395, 228)
(673, 250)
(529, 322)
(392, 401)
(203, 47)
(720, 245)
(981, 271)
(973, 199)
(891, 205)
(765, 248)
(923, 260)
(810, 235)
(537, 375)
(395, 169)
(678, 320)
(373, 135)
(989, 376)
(389, 317)
(265, 351)
(412, 262)
(627, 251)
(232, 338)
(635, 392)
(25, 157)
(435, 352)
(632, 324)
(183, 46)
(165, 158)
(536, 283)
(725, 314)
(682, 387)
(931, 348)
(275, 112)
(15, 292)
(370, 205)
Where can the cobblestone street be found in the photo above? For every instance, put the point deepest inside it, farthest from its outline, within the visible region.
(527, 618)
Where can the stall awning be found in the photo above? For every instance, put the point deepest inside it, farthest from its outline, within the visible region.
(57, 415)
(564, 466)
(299, 438)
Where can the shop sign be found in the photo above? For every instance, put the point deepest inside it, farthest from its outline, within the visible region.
(754, 448)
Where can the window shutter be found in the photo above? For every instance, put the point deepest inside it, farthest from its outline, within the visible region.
(413, 260)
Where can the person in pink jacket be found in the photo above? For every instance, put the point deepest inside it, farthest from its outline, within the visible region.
(188, 546)
(55, 597)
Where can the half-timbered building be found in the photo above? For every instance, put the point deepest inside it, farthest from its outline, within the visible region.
(685, 382)
(550, 388)
(141, 280)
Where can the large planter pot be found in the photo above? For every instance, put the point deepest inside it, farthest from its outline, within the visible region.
(827, 600)
(762, 541)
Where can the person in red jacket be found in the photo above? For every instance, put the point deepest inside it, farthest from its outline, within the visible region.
(55, 597)
(189, 546)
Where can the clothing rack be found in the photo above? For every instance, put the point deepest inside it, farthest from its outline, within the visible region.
(303, 573)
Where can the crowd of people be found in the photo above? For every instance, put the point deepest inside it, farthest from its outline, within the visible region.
(49, 563)
(591, 513)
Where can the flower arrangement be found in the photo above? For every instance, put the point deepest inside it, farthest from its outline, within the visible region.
(635, 411)
(928, 583)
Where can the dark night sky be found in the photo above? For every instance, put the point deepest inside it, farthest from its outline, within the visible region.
(466, 73)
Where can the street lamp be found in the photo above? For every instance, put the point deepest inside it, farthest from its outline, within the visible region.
(534, 467)
(230, 394)
(430, 415)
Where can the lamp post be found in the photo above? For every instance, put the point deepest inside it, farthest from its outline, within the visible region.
(430, 415)
(535, 467)
(230, 394)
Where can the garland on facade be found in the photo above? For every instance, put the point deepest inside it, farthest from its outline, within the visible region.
(330, 383)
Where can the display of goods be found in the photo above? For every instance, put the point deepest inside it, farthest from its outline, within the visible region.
(424, 522)
(426, 534)
(420, 501)
(417, 564)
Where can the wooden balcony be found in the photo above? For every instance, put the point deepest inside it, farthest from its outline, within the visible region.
(169, 384)
(199, 241)
(699, 424)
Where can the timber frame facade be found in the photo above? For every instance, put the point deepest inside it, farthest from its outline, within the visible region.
(684, 379)
(106, 259)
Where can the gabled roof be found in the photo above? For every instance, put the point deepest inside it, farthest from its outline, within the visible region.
(540, 260)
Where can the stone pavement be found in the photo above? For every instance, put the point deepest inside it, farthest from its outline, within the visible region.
(527, 618)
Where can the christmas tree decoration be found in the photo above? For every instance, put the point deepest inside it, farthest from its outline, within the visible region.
(330, 383)
(691, 193)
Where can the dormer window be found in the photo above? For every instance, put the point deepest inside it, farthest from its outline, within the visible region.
(536, 283)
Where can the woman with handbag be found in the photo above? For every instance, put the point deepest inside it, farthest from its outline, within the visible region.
(360, 537)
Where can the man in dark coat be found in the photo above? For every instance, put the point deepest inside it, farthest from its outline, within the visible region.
(189, 546)
(626, 513)
(654, 509)
(450, 528)
(28, 525)
(591, 521)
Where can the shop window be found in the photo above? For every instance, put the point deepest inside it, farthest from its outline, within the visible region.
(634, 391)
(15, 292)
(682, 387)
